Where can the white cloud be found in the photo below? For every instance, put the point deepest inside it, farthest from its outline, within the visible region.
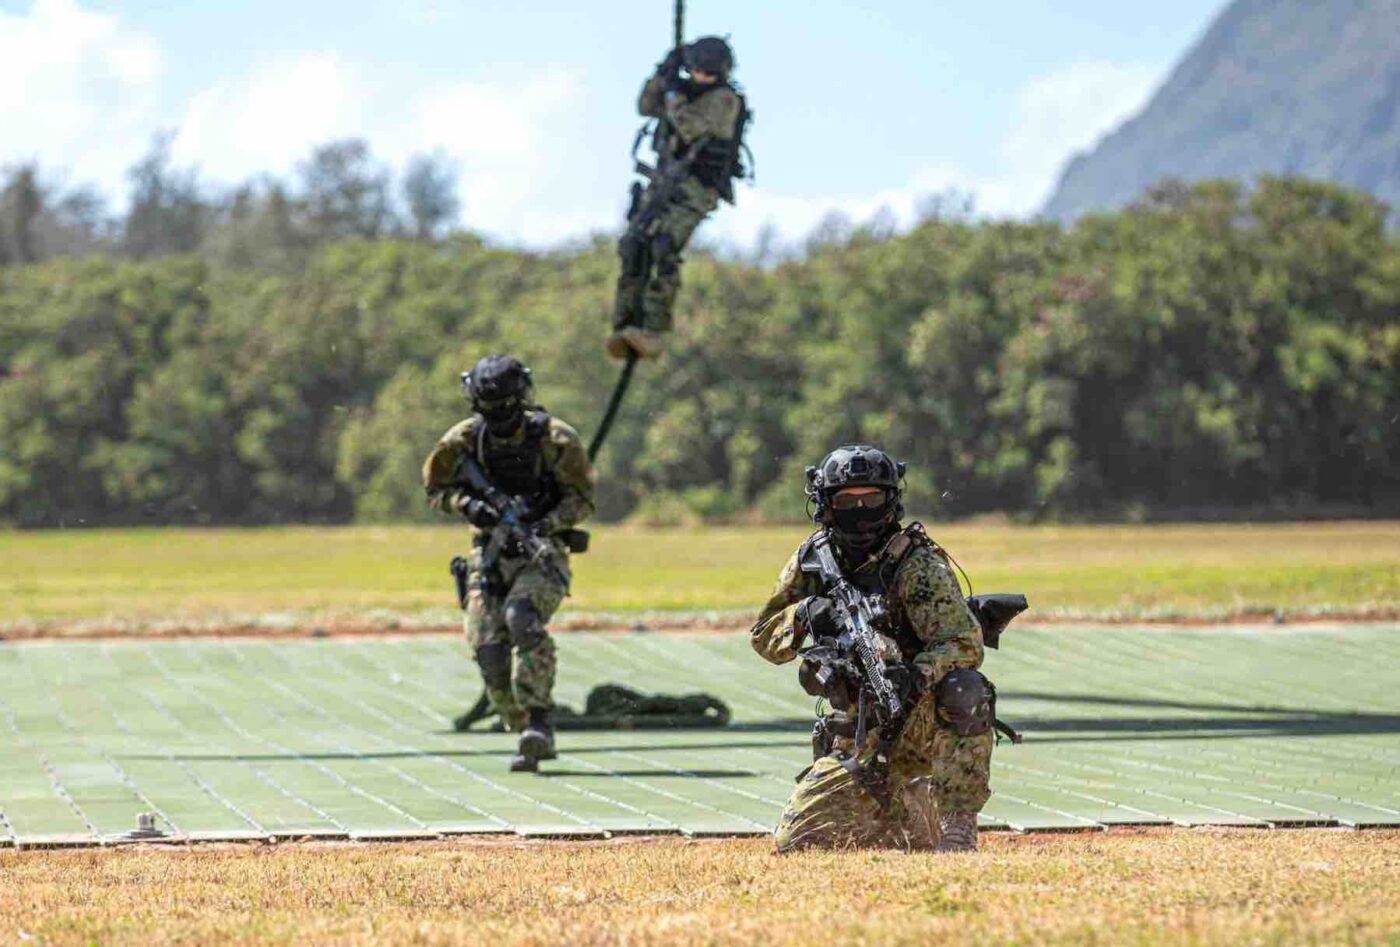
(505, 137)
(76, 84)
(1055, 115)
(508, 139)
(1063, 112)
(271, 118)
(80, 92)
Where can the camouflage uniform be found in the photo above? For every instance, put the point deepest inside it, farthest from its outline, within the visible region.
(562, 468)
(931, 769)
(712, 111)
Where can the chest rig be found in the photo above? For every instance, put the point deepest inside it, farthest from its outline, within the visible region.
(876, 575)
(719, 160)
(516, 466)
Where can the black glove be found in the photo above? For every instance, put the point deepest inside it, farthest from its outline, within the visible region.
(532, 514)
(479, 513)
(672, 63)
(821, 674)
(816, 614)
(907, 680)
(674, 85)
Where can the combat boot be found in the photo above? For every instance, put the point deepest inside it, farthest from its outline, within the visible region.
(957, 832)
(617, 346)
(647, 343)
(536, 743)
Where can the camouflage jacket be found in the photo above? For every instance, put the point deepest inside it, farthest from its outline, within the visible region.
(716, 113)
(922, 594)
(563, 459)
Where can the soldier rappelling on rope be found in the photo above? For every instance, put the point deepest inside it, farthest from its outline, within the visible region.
(700, 117)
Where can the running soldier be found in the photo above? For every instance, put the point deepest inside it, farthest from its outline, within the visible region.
(924, 788)
(698, 141)
(521, 477)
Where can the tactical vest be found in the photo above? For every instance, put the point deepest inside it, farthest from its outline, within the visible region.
(717, 163)
(516, 467)
(879, 579)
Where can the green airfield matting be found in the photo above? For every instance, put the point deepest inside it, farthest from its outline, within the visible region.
(349, 738)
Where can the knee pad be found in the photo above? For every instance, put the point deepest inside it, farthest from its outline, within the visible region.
(494, 661)
(665, 253)
(523, 622)
(963, 702)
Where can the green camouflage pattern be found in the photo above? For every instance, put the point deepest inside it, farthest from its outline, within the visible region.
(715, 113)
(691, 202)
(517, 578)
(931, 768)
(933, 771)
(533, 670)
(564, 458)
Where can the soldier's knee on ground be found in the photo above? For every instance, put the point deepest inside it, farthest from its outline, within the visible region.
(523, 622)
(494, 661)
(828, 809)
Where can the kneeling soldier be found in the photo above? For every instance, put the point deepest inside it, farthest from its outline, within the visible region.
(521, 477)
(921, 782)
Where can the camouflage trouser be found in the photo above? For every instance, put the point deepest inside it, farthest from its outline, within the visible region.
(529, 683)
(933, 770)
(647, 298)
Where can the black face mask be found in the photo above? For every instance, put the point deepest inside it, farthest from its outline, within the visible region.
(861, 529)
(503, 418)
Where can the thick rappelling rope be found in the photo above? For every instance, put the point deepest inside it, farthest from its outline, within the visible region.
(630, 365)
(482, 709)
(614, 402)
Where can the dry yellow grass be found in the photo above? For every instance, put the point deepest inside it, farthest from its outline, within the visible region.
(1196, 887)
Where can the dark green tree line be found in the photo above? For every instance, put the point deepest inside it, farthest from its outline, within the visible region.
(1210, 349)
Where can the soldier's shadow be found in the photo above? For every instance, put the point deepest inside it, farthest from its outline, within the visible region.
(552, 772)
(1183, 720)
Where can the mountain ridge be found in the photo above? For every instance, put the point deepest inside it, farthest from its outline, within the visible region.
(1272, 87)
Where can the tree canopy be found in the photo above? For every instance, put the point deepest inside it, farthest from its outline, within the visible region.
(1211, 348)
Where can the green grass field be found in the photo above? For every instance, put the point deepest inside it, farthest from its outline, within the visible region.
(366, 574)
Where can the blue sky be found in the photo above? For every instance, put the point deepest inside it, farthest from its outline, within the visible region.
(856, 107)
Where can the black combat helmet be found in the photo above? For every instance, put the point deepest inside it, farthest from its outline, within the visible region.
(499, 389)
(710, 54)
(866, 520)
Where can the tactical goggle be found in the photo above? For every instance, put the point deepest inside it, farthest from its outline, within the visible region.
(500, 408)
(859, 501)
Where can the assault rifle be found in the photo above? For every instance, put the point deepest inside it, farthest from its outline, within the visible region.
(664, 178)
(856, 653)
(512, 531)
(854, 662)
